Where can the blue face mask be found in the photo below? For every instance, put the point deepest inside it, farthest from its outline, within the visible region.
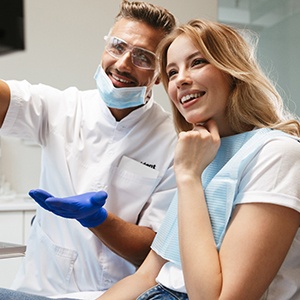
(118, 97)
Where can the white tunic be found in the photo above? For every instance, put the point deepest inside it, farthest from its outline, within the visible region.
(82, 147)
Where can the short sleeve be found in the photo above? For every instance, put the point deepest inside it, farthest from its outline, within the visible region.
(273, 176)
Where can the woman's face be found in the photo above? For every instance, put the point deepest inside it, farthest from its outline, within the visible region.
(199, 90)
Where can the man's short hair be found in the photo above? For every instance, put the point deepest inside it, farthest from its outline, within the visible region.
(155, 16)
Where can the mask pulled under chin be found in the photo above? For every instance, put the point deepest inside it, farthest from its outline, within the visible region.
(118, 97)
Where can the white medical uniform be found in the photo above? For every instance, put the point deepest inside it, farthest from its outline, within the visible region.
(85, 149)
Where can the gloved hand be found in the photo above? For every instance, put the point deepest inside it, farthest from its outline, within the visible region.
(85, 208)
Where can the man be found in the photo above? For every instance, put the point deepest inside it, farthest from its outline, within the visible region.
(114, 139)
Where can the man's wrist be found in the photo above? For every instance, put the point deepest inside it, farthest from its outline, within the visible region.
(94, 220)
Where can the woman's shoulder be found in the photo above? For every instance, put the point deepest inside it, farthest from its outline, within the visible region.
(283, 143)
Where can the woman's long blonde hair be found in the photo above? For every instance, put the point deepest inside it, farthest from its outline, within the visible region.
(254, 101)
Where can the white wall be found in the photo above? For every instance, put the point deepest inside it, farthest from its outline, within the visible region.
(64, 43)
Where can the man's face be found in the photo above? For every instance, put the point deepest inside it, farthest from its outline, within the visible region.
(121, 71)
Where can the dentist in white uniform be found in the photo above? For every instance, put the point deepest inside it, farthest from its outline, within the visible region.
(114, 139)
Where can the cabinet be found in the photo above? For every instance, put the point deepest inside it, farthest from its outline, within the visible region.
(15, 221)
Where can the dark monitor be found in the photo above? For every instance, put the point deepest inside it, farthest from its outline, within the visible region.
(11, 26)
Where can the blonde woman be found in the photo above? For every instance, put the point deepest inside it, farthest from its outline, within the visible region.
(232, 231)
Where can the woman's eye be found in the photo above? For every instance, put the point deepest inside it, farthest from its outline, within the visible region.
(171, 73)
(199, 61)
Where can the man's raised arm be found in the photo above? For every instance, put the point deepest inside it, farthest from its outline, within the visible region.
(4, 100)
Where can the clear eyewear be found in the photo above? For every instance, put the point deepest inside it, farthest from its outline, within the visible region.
(140, 57)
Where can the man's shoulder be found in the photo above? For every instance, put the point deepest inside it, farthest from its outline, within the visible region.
(159, 109)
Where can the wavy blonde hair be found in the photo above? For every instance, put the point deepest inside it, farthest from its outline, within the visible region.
(254, 100)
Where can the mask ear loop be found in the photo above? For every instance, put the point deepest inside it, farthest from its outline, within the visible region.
(155, 80)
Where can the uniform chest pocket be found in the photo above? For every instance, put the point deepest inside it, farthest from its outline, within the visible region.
(131, 186)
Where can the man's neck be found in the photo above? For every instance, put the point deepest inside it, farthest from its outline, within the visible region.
(120, 114)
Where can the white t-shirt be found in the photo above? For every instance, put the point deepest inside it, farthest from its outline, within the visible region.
(85, 149)
(271, 177)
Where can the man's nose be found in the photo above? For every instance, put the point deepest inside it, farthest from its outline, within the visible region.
(124, 63)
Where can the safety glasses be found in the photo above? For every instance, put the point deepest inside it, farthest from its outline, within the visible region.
(140, 57)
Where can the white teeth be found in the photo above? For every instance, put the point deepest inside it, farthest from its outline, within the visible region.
(121, 80)
(191, 96)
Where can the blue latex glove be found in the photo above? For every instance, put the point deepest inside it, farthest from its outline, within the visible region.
(85, 208)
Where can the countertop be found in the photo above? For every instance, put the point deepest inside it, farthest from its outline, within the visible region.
(17, 203)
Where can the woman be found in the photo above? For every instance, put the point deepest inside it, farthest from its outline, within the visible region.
(232, 232)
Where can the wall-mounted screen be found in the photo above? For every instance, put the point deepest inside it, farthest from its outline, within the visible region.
(11, 26)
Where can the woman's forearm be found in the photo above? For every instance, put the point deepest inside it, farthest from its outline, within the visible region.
(200, 258)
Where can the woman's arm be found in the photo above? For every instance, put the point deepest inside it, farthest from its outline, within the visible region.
(199, 257)
(254, 247)
(132, 286)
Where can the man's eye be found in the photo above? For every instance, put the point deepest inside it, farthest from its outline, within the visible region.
(199, 61)
(118, 48)
(143, 56)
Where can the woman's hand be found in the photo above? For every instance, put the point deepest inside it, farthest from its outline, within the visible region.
(196, 149)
